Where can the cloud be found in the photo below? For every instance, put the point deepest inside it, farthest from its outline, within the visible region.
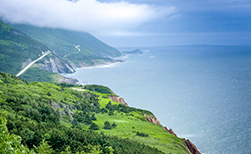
(82, 15)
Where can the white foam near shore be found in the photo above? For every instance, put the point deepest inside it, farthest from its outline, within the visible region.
(106, 65)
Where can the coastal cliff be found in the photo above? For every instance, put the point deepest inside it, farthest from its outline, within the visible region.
(153, 119)
(189, 145)
(119, 100)
(57, 65)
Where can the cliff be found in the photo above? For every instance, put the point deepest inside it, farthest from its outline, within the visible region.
(152, 119)
(119, 100)
(191, 147)
(169, 130)
(57, 65)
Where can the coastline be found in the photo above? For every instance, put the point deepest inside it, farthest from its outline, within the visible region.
(188, 144)
(69, 80)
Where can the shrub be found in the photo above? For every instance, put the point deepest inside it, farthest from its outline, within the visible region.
(94, 126)
(107, 125)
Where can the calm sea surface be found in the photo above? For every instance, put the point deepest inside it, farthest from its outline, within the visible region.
(202, 93)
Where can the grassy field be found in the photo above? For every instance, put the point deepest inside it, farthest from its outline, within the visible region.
(128, 124)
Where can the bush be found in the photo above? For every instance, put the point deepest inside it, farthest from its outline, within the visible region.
(93, 117)
(94, 126)
(141, 134)
(98, 88)
(107, 125)
(114, 125)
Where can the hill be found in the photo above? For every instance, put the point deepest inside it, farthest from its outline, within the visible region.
(80, 48)
(18, 49)
(64, 117)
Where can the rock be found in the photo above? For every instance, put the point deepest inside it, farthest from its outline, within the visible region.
(67, 80)
(68, 111)
(27, 63)
(55, 105)
(136, 51)
(57, 65)
(191, 147)
(169, 131)
(119, 100)
(152, 119)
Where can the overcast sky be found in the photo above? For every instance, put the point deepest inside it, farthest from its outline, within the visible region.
(140, 22)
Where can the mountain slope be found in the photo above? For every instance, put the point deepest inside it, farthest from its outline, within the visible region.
(82, 120)
(18, 50)
(78, 47)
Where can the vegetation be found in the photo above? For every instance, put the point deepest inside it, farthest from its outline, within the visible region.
(53, 116)
(107, 125)
(16, 48)
(98, 88)
(67, 43)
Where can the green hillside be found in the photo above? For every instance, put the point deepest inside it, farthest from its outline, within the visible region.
(64, 117)
(79, 47)
(18, 49)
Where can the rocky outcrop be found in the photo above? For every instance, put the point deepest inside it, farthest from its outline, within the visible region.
(152, 119)
(119, 100)
(136, 51)
(67, 80)
(191, 147)
(27, 63)
(169, 131)
(57, 65)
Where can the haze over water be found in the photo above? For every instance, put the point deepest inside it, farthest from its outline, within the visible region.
(202, 92)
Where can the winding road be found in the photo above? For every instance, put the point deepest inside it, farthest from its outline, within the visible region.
(28, 66)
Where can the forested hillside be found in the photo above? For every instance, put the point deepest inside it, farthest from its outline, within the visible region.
(18, 50)
(64, 117)
(80, 48)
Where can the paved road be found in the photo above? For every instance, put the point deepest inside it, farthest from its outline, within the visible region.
(28, 66)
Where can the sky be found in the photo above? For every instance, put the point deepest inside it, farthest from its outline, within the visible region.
(140, 23)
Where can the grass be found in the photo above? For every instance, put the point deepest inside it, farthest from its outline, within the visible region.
(129, 123)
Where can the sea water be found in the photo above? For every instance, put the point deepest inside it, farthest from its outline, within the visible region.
(202, 92)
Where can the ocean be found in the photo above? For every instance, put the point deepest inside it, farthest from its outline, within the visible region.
(202, 92)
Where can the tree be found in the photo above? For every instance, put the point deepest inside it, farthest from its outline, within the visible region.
(107, 125)
(87, 119)
(10, 143)
(93, 117)
(94, 126)
(110, 113)
(108, 105)
(43, 148)
(114, 125)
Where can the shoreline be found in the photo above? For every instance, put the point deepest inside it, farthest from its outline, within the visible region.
(189, 145)
(102, 65)
(70, 80)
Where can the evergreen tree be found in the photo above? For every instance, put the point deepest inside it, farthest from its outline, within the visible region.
(114, 125)
(93, 117)
(107, 125)
(87, 120)
(94, 126)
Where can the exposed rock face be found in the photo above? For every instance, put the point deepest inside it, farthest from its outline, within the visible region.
(169, 130)
(119, 100)
(27, 63)
(152, 119)
(67, 80)
(68, 111)
(191, 147)
(57, 65)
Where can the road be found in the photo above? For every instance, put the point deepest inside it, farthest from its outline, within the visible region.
(28, 66)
